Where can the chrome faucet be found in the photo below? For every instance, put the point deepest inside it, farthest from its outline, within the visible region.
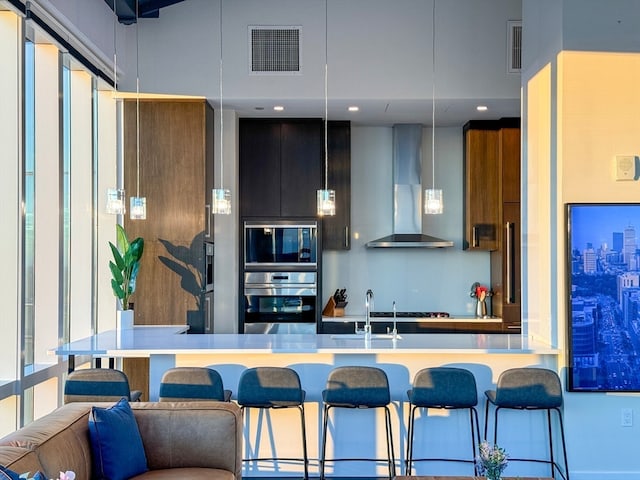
(395, 330)
(368, 305)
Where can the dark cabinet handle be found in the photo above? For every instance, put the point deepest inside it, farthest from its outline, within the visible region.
(207, 310)
(207, 214)
(346, 236)
(280, 277)
(510, 263)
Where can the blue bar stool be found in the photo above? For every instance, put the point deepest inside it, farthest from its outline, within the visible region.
(98, 385)
(274, 388)
(183, 384)
(357, 387)
(443, 388)
(529, 389)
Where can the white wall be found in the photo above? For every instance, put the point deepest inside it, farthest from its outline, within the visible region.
(377, 49)
(581, 111)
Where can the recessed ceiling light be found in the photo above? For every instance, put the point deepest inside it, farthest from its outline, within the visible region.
(353, 108)
(259, 108)
(278, 108)
(482, 108)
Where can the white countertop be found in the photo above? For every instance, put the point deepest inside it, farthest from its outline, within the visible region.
(143, 341)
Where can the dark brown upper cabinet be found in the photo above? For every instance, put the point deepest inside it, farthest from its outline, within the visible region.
(280, 167)
(336, 230)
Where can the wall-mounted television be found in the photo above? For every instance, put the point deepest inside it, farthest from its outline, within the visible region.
(603, 253)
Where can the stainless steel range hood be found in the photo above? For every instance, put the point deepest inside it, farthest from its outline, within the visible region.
(407, 193)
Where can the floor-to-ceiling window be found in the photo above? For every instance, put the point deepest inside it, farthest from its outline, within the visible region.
(11, 128)
(58, 135)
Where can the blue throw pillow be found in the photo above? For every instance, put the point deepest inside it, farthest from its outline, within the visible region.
(6, 474)
(116, 445)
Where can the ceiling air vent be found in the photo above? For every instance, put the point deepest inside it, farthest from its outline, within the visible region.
(514, 46)
(274, 49)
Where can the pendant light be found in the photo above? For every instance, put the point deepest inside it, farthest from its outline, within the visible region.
(137, 204)
(433, 201)
(221, 197)
(115, 196)
(326, 198)
(116, 201)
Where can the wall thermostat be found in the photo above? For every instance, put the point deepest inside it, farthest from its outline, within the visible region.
(625, 166)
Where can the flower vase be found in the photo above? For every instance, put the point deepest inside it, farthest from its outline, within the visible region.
(124, 319)
(494, 474)
(481, 312)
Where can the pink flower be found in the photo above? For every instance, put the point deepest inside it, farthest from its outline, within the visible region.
(68, 475)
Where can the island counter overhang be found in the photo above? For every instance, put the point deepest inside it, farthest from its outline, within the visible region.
(168, 346)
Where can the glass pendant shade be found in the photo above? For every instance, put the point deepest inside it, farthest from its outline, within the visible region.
(116, 201)
(433, 201)
(326, 203)
(221, 201)
(138, 208)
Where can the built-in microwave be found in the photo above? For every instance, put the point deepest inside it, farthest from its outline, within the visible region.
(282, 243)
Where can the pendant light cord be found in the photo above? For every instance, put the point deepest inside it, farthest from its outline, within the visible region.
(115, 49)
(137, 105)
(326, 97)
(221, 117)
(433, 95)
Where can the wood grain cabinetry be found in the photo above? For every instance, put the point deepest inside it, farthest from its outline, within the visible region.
(505, 262)
(280, 167)
(336, 230)
(492, 208)
(482, 186)
(175, 176)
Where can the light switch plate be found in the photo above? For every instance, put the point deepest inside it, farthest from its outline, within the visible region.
(625, 166)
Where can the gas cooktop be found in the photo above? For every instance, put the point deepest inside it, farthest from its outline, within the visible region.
(410, 314)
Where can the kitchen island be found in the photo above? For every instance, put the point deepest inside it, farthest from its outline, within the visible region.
(168, 346)
(313, 356)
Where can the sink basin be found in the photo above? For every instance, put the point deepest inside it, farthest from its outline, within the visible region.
(360, 336)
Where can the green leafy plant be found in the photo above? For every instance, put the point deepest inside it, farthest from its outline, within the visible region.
(491, 460)
(125, 265)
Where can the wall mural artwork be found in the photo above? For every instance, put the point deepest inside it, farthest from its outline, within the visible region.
(604, 297)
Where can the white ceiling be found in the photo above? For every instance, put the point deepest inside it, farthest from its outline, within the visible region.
(452, 112)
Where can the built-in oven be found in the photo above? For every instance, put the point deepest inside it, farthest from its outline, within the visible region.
(280, 244)
(280, 302)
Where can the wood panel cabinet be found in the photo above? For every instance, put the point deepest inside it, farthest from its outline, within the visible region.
(336, 230)
(482, 186)
(505, 270)
(280, 167)
(492, 209)
(176, 143)
(176, 175)
(505, 262)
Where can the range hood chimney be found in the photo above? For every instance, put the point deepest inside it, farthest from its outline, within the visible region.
(407, 193)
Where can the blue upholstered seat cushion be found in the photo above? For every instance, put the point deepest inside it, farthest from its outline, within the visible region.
(116, 445)
(6, 474)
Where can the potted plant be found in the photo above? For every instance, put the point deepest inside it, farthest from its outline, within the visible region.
(124, 271)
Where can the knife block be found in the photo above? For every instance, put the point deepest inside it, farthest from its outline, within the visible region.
(333, 309)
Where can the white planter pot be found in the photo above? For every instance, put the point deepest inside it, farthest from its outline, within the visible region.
(124, 319)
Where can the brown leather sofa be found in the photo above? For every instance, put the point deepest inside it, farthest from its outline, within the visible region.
(186, 440)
